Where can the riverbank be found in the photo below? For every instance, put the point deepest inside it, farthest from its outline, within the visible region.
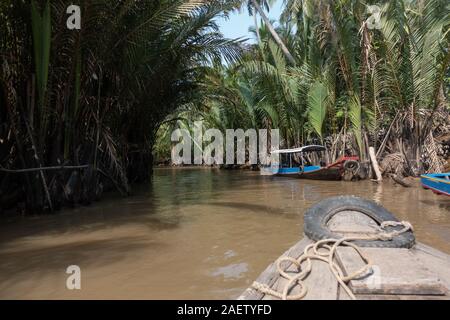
(189, 234)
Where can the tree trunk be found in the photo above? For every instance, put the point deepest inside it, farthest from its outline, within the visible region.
(272, 30)
(376, 168)
(258, 36)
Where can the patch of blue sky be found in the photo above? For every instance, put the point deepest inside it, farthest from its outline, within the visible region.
(239, 23)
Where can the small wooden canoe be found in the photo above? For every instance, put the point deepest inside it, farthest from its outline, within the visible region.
(413, 271)
(438, 183)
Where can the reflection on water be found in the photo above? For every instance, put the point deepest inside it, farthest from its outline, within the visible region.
(192, 234)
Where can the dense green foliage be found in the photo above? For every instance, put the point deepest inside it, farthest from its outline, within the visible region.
(349, 83)
(106, 96)
(96, 96)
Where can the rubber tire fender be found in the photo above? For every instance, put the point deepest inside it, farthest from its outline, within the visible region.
(317, 217)
(348, 166)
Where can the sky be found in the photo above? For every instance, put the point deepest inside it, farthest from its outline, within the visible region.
(238, 24)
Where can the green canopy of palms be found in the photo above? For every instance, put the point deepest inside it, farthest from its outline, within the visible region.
(98, 95)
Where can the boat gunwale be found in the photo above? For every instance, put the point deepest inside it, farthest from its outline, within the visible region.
(436, 177)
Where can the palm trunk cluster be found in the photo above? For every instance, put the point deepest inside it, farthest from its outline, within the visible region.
(79, 109)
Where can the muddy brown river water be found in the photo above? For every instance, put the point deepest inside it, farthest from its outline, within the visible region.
(190, 234)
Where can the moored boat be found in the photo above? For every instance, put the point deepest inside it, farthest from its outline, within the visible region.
(438, 183)
(308, 163)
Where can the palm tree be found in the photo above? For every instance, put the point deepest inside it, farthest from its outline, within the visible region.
(257, 6)
(370, 78)
(97, 96)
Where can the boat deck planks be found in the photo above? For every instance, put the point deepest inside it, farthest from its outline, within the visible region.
(321, 284)
(435, 261)
(270, 276)
(400, 273)
(422, 271)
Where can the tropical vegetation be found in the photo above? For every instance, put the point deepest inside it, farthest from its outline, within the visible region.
(84, 110)
(91, 100)
(355, 82)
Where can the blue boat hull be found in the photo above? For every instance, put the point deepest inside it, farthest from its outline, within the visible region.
(311, 172)
(438, 183)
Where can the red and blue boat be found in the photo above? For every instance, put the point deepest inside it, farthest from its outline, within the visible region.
(439, 183)
(308, 163)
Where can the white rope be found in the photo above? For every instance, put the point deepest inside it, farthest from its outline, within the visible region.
(325, 251)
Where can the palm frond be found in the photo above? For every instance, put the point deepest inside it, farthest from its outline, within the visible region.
(317, 106)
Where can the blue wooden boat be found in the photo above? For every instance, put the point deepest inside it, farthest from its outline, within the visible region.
(439, 183)
(307, 163)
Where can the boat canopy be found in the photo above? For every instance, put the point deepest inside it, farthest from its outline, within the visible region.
(300, 150)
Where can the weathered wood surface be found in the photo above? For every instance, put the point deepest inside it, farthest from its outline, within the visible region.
(418, 273)
(420, 247)
(376, 167)
(352, 223)
(435, 261)
(396, 272)
(270, 276)
(399, 297)
(321, 284)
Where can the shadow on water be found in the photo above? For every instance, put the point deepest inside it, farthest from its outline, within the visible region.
(156, 206)
(443, 204)
(56, 257)
(247, 206)
(104, 215)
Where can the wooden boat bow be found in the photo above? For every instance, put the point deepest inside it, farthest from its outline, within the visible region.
(414, 272)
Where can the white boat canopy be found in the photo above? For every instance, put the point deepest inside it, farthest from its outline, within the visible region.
(300, 150)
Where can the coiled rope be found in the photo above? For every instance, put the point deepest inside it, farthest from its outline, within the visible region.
(325, 250)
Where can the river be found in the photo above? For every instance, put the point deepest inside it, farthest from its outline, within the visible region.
(189, 234)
